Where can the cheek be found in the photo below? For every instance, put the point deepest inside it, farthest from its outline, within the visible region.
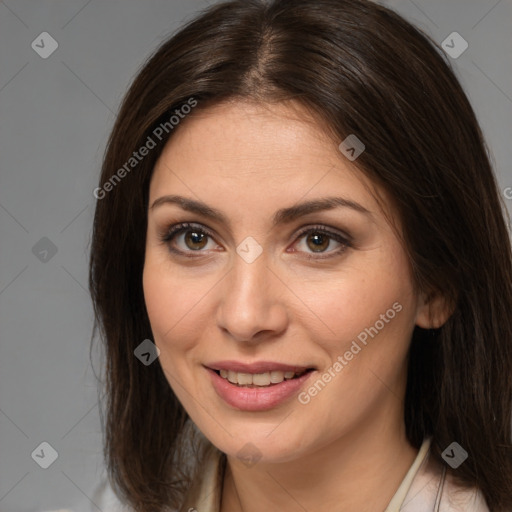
(176, 302)
(373, 348)
(354, 300)
(169, 308)
(168, 300)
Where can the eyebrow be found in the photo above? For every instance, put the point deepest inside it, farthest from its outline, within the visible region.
(283, 216)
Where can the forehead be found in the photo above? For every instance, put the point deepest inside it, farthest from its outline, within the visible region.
(242, 153)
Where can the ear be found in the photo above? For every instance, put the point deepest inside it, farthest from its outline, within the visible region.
(434, 309)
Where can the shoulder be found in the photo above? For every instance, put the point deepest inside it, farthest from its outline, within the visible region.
(105, 498)
(461, 499)
(434, 489)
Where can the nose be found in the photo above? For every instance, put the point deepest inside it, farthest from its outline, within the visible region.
(252, 308)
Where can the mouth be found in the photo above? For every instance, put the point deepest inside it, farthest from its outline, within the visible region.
(260, 380)
(258, 386)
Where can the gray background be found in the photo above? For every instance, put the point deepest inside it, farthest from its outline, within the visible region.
(55, 116)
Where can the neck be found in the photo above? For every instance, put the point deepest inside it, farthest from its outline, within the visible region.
(359, 471)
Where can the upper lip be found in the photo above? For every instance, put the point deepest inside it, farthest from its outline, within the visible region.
(256, 367)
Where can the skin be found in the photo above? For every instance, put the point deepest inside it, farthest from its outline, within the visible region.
(249, 161)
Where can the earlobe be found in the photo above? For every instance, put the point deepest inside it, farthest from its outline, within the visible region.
(434, 309)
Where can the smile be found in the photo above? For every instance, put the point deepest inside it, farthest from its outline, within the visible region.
(258, 379)
(258, 386)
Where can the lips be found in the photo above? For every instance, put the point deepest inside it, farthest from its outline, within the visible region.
(257, 367)
(257, 386)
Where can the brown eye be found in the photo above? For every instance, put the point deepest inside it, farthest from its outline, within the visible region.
(186, 238)
(195, 240)
(317, 242)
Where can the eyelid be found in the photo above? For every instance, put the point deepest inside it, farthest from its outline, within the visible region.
(333, 233)
(324, 229)
(169, 233)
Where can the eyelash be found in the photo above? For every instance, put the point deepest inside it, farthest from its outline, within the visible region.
(170, 233)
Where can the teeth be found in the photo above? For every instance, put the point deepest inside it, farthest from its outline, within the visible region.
(244, 378)
(276, 377)
(257, 379)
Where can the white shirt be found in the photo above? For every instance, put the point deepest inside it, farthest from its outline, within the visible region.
(427, 487)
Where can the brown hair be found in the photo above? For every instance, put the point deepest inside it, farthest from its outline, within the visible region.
(363, 70)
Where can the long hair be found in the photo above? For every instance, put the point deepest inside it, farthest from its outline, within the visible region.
(361, 69)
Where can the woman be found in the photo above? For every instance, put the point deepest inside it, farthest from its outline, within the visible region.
(302, 272)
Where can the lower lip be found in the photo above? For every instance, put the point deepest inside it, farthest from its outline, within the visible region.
(257, 399)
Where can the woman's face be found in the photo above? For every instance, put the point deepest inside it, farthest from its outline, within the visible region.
(262, 283)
